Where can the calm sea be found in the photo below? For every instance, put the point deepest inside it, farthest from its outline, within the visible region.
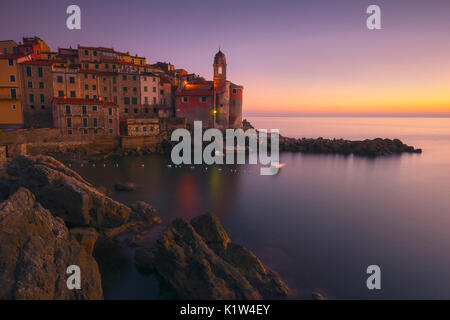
(321, 221)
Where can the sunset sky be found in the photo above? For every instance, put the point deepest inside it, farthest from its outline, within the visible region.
(313, 56)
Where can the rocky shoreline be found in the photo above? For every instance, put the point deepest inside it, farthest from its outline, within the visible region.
(197, 260)
(51, 218)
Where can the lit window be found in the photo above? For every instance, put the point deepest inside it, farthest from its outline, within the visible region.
(220, 70)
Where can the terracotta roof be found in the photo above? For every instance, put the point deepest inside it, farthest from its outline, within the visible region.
(195, 93)
(11, 56)
(42, 62)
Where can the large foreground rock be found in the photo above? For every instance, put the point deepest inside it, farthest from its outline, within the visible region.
(65, 193)
(199, 261)
(35, 250)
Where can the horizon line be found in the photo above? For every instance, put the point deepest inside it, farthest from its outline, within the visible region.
(349, 114)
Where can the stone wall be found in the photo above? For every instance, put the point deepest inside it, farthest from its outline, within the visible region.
(140, 141)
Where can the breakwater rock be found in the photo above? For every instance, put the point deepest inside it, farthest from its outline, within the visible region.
(368, 147)
(199, 261)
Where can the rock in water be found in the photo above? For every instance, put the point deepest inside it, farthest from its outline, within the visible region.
(126, 186)
(199, 261)
(35, 250)
(266, 281)
(65, 193)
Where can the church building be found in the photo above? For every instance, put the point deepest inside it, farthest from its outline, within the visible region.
(217, 103)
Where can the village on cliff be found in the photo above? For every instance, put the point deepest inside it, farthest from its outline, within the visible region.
(95, 93)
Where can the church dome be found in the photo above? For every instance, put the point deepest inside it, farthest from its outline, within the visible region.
(219, 58)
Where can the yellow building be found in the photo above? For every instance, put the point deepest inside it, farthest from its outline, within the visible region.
(11, 113)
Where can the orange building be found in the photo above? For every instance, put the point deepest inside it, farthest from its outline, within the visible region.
(11, 109)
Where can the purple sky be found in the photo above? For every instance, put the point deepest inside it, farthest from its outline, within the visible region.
(291, 56)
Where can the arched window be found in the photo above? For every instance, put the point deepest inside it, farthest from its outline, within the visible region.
(220, 70)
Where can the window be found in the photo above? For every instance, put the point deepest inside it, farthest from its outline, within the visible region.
(94, 108)
(60, 93)
(86, 87)
(83, 110)
(42, 98)
(95, 122)
(94, 87)
(42, 107)
(85, 131)
(146, 110)
(86, 52)
(12, 78)
(126, 110)
(113, 66)
(10, 62)
(106, 66)
(105, 89)
(110, 120)
(110, 111)
(30, 84)
(115, 89)
(161, 92)
(69, 131)
(93, 76)
(32, 107)
(154, 79)
(85, 122)
(72, 79)
(134, 89)
(29, 71)
(145, 78)
(95, 53)
(124, 77)
(95, 96)
(87, 96)
(154, 89)
(145, 100)
(68, 109)
(185, 99)
(115, 99)
(125, 89)
(31, 97)
(154, 100)
(14, 107)
(110, 130)
(95, 131)
(144, 129)
(40, 73)
(137, 129)
(126, 100)
(134, 78)
(85, 76)
(69, 122)
(203, 99)
(104, 79)
(145, 89)
(134, 100)
(220, 70)
(96, 66)
(86, 66)
(60, 79)
(41, 85)
(151, 129)
(72, 94)
(135, 110)
(234, 91)
(114, 79)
